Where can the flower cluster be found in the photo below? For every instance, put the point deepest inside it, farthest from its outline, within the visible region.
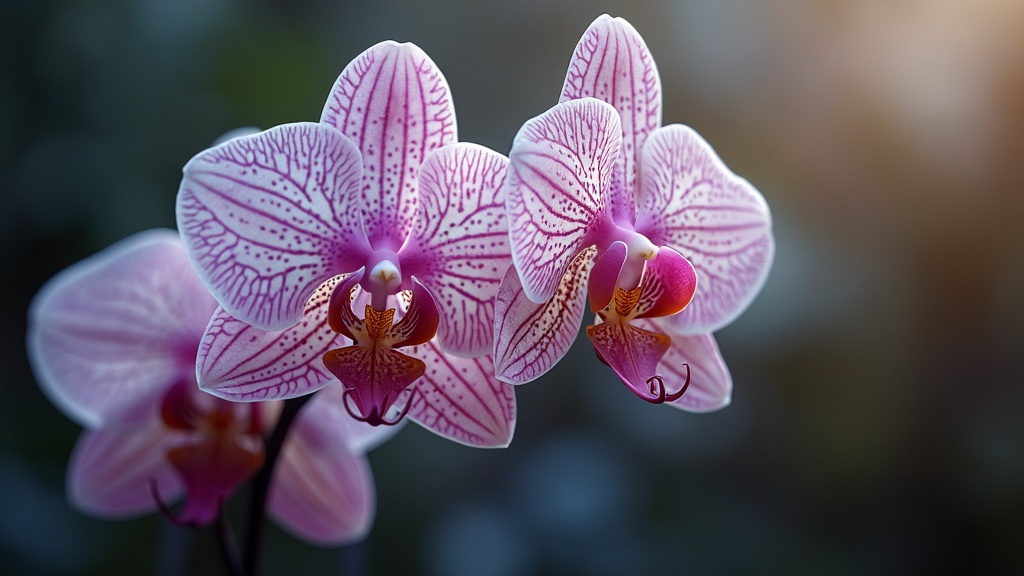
(397, 273)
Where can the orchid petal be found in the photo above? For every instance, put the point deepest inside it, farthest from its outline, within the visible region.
(241, 363)
(419, 323)
(460, 399)
(394, 103)
(265, 219)
(633, 353)
(710, 382)
(611, 63)
(462, 241)
(604, 277)
(322, 490)
(114, 331)
(112, 470)
(669, 282)
(717, 220)
(560, 170)
(529, 338)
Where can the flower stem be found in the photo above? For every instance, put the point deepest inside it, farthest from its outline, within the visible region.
(228, 546)
(261, 484)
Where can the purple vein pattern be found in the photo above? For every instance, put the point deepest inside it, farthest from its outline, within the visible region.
(664, 216)
(395, 105)
(611, 63)
(462, 236)
(531, 338)
(460, 399)
(241, 363)
(561, 162)
(258, 215)
(380, 186)
(692, 202)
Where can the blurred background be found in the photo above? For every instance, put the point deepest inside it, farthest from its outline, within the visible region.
(877, 423)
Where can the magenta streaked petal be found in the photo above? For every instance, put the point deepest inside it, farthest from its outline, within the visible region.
(266, 219)
(113, 331)
(419, 322)
(561, 167)
(710, 382)
(611, 63)
(529, 338)
(112, 470)
(717, 220)
(394, 103)
(322, 490)
(241, 363)
(668, 284)
(460, 247)
(632, 352)
(461, 400)
(604, 277)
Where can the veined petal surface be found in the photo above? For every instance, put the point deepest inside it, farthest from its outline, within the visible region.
(530, 338)
(461, 400)
(394, 103)
(611, 63)
(322, 490)
(561, 167)
(266, 219)
(632, 352)
(710, 382)
(242, 363)
(460, 243)
(717, 220)
(111, 469)
(115, 330)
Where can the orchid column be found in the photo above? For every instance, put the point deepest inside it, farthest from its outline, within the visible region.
(379, 210)
(669, 243)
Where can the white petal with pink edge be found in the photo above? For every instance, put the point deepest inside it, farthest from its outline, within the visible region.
(692, 203)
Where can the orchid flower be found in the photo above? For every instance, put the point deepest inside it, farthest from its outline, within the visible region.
(393, 232)
(669, 243)
(113, 341)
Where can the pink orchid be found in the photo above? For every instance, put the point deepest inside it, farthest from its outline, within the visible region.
(113, 343)
(669, 243)
(369, 247)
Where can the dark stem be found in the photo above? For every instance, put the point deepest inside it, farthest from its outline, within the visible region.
(261, 484)
(228, 546)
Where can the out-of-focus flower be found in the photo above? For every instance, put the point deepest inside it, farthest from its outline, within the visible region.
(112, 341)
(396, 228)
(670, 244)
